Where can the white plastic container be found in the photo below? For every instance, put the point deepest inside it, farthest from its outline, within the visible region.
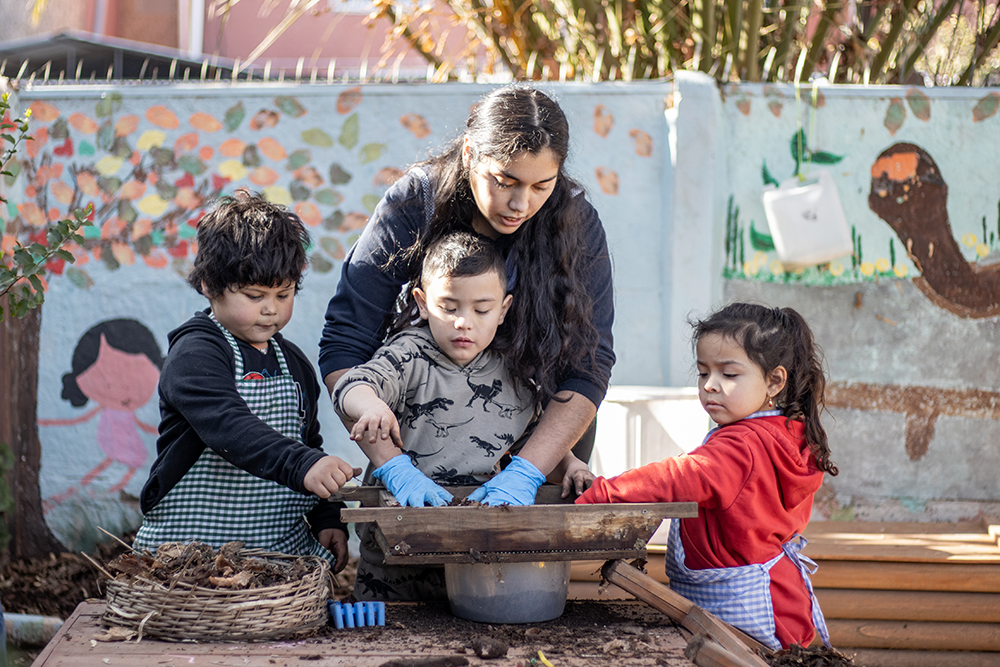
(637, 425)
(807, 221)
(508, 592)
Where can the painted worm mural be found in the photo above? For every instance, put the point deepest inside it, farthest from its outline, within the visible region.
(909, 192)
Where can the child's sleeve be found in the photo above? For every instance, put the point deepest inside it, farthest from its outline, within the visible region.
(711, 475)
(326, 515)
(386, 373)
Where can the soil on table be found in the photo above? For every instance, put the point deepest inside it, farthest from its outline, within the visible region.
(587, 633)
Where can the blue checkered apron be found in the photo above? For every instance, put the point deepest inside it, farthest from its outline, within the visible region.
(217, 502)
(741, 595)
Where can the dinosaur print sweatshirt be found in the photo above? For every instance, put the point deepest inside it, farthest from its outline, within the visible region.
(456, 422)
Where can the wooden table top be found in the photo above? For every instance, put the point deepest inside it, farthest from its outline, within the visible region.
(590, 633)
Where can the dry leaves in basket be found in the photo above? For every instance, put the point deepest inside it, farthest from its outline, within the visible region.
(198, 564)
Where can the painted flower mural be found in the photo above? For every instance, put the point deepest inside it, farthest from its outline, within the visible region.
(149, 166)
(150, 169)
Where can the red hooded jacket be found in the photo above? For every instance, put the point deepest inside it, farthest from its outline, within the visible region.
(754, 482)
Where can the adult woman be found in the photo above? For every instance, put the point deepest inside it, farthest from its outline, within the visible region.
(504, 178)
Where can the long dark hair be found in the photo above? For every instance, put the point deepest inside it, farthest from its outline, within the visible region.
(549, 329)
(773, 337)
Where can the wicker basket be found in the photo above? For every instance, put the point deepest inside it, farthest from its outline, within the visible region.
(187, 612)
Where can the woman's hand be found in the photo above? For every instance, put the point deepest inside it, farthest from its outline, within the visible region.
(335, 541)
(577, 477)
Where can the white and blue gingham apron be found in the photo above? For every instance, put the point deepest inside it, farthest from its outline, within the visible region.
(741, 595)
(216, 502)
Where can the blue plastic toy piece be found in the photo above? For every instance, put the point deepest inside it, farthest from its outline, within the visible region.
(337, 612)
(357, 615)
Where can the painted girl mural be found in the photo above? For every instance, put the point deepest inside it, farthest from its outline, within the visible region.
(116, 364)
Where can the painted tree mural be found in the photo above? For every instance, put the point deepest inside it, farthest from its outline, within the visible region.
(149, 168)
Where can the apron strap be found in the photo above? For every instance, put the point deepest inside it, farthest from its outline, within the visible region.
(807, 566)
(232, 343)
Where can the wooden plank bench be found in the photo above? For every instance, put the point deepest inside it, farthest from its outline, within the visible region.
(910, 593)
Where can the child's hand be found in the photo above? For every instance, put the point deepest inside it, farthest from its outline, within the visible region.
(335, 541)
(517, 484)
(378, 422)
(327, 475)
(577, 477)
(371, 416)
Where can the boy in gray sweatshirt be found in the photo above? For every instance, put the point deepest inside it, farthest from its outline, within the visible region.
(436, 406)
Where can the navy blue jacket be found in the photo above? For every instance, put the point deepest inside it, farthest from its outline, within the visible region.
(200, 406)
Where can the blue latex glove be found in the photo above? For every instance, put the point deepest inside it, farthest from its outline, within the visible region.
(411, 487)
(516, 484)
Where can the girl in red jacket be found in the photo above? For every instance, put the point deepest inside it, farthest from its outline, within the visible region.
(760, 378)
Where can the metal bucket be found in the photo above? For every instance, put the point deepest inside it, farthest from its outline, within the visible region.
(508, 592)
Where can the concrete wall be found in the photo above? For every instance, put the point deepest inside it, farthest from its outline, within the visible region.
(677, 171)
(909, 321)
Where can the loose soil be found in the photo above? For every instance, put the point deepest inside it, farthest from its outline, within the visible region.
(587, 633)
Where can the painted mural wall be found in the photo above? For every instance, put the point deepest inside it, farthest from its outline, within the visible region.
(909, 315)
(150, 158)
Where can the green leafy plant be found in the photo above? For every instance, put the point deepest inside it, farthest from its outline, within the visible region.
(922, 42)
(22, 270)
(850, 41)
(940, 42)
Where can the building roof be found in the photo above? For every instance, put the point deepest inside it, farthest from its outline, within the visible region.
(75, 55)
